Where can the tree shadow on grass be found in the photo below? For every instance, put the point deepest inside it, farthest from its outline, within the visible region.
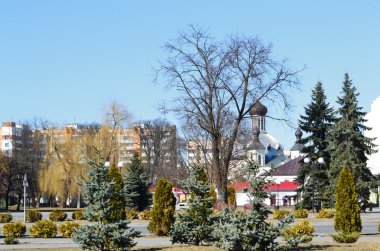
(314, 247)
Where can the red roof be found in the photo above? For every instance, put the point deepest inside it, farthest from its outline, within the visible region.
(283, 186)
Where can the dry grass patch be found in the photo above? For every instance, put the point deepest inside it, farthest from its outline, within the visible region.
(360, 246)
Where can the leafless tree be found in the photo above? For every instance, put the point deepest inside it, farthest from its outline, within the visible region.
(116, 116)
(158, 145)
(218, 82)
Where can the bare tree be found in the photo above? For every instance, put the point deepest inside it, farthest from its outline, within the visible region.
(158, 145)
(116, 116)
(10, 175)
(218, 82)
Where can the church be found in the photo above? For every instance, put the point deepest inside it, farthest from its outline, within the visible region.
(268, 152)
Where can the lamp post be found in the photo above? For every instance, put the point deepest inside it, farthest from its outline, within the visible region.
(314, 165)
(25, 184)
(107, 164)
(120, 165)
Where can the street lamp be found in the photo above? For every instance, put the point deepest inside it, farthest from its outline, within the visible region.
(314, 165)
(120, 165)
(107, 164)
(25, 184)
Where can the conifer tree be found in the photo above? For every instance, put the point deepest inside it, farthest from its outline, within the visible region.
(347, 218)
(251, 230)
(194, 225)
(136, 186)
(162, 214)
(348, 145)
(119, 201)
(106, 232)
(316, 122)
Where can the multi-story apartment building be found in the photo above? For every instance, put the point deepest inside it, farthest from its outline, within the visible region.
(9, 132)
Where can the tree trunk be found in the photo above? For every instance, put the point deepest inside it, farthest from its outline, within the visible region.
(19, 201)
(6, 200)
(221, 186)
(78, 200)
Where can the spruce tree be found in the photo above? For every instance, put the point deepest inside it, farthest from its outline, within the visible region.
(194, 225)
(251, 230)
(316, 122)
(106, 232)
(136, 186)
(347, 217)
(348, 145)
(162, 213)
(119, 201)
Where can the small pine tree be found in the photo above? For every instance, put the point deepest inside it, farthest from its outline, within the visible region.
(162, 214)
(136, 188)
(231, 196)
(118, 202)
(251, 231)
(194, 225)
(105, 233)
(347, 217)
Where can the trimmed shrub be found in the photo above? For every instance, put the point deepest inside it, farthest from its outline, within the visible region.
(67, 228)
(43, 229)
(78, 215)
(162, 214)
(144, 215)
(14, 230)
(347, 218)
(231, 196)
(303, 230)
(131, 214)
(57, 215)
(5, 218)
(326, 213)
(33, 216)
(10, 240)
(280, 214)
(346, 237)
(301, 213)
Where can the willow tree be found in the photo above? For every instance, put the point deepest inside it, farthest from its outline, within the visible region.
(217, 82)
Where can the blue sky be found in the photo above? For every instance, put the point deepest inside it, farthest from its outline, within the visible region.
(64, 60)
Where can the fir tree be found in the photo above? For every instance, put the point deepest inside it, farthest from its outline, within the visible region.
(251, 230)
(106, 232)
(347, 217)
(162, 213)
(136, 188)
(194, 225)
(119, 201)
(316, 122)
(348, 145)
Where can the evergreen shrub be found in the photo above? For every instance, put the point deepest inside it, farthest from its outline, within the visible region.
(33, 216)
(347, 218)
(144, 215)
(119, 201)
(302, 230)
(281, 214)
(326, 213)
(5, 218)
(14, 230)
(67, 228)
(195, 224)
(10, 240)
(78, 215)
(231, 196)
(162, 213)
(43, 229)
(300, 213)
(131, 214)
(346, 237)
(57, 215)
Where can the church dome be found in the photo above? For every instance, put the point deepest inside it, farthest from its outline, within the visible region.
(258, 109)
(298, 133)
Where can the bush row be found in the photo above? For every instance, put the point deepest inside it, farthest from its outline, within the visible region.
(41, 229)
